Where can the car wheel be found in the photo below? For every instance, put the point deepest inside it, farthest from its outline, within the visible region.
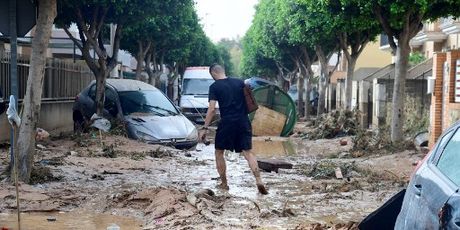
(78, 126)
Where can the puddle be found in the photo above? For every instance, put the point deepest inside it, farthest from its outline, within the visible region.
(70, 220)
(272, 147)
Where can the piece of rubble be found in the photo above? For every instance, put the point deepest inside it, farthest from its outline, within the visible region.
(269, 165)
(41, 134)
(338, 173)
(41, 147)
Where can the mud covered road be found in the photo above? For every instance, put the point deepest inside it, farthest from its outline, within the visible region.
(89, 183)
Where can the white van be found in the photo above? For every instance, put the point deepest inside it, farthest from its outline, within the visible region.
(194, 94)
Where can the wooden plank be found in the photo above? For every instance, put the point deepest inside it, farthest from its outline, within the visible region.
(269, 165)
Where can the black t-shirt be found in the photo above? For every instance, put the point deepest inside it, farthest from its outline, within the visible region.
(229, 93)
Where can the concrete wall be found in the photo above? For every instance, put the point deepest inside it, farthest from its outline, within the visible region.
(417, 101)
(363, 105)
(373, 56)
(55, 117)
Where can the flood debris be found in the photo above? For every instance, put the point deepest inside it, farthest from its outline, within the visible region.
(338, 173)
(318, 226)
(42, 174)
(109, 151)
(335, 124)
(41, 134)
(269, 165)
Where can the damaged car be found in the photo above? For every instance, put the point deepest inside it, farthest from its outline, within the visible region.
(147, 113)
(432, 199)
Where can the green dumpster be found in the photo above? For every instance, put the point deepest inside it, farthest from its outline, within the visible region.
(276, 99)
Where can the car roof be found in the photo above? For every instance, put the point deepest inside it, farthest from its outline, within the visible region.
(122, 85)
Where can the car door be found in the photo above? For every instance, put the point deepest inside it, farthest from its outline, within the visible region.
(89, 105)
(448, 163)
(427, 192)
(438, 181)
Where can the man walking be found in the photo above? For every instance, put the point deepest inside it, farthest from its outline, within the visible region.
(234, 132)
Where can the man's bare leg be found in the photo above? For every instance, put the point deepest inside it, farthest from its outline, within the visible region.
(255, 170)
(221, 168)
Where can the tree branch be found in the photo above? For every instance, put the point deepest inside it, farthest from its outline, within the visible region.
(343, 42)
(386, 26)
(75, 41)
(100, 22)
(92, 27)
(82, 25)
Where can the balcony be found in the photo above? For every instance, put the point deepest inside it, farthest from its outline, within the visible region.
(450, 25)
(431, 32)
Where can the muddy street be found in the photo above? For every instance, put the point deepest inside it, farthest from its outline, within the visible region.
(88, 183)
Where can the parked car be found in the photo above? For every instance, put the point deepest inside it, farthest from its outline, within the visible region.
(432, 200)
(256, 82)
(147, 113)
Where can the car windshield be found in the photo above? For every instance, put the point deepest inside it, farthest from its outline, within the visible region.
(197, 86)
(146, 102)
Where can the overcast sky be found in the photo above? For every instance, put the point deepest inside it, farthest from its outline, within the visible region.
(225, 18)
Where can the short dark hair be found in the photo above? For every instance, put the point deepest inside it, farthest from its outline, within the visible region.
(211, 68)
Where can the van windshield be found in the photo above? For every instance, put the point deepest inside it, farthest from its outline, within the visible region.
(197, 86)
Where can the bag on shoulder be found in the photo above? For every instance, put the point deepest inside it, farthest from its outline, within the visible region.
(251, 102)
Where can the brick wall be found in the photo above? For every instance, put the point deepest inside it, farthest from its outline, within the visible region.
(443, 116)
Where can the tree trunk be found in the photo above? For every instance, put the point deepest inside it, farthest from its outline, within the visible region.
(32, 100)
(100, 91)
(323, 80)
(349, 82)
(140, 61)
(308, 104)
(401, 66)
(301, 92)
(148, 68)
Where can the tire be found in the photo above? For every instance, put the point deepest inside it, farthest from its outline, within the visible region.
(78, 126)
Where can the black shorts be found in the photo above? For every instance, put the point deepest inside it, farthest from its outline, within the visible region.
(234, 135)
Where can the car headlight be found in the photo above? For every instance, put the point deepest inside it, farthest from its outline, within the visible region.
(145, 137)
(193, 135)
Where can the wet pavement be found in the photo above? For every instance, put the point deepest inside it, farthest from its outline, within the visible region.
(154, 190)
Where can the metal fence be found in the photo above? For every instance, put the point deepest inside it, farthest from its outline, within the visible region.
(64, 79)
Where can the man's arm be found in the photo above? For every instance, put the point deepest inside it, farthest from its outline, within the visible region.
(210, 114)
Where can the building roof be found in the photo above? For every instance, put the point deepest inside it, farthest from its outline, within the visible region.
(385, 71)
(362, 73)
(421, 70)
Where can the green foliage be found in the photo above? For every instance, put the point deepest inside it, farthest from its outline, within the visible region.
(234, 50)
(416, 58)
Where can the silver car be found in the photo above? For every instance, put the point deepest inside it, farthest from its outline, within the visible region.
(147, 113)
(432, 200)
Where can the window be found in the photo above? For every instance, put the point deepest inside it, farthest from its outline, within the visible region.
(146, 103)
(110, 103)
(197, 86)
(92, 92)
(449, 161)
